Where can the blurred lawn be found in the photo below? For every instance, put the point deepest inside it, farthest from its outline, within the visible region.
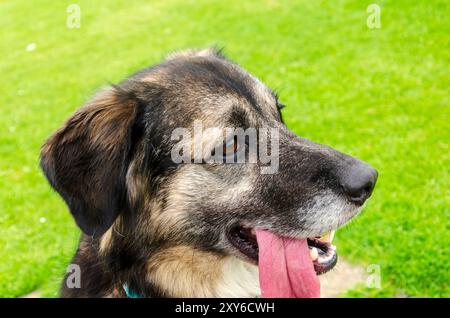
(381, 95)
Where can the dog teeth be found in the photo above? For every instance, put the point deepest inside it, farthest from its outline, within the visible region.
(314, 253)
(322, 260)
(325, 259)
(328, 237)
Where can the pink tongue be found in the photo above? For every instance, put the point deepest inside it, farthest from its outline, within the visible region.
(285, 267)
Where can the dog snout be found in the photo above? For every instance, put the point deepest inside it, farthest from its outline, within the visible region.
(358, 181)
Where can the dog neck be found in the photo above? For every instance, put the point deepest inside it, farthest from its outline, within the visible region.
(187, 271)
(184, 271)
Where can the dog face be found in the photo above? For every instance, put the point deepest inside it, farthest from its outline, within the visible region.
(112, 162)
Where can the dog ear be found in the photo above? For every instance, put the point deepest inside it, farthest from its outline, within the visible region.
(86, 161)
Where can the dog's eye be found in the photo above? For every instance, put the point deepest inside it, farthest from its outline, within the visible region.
(230, 148)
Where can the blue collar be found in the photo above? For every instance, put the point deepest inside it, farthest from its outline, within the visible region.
(130, 293)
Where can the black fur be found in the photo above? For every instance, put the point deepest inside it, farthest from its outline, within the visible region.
(112, 158)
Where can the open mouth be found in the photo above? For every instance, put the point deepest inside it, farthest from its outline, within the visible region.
(321, 250)
(288, 267)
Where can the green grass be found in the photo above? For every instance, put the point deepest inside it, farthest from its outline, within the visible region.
(381, 95)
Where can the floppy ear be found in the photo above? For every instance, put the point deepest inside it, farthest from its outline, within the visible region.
(86, 161)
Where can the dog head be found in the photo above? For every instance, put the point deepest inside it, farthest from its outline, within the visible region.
(113, 163)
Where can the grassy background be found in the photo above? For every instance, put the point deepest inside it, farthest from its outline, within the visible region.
(381, 95)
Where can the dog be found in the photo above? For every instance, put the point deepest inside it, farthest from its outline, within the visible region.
(153, 227)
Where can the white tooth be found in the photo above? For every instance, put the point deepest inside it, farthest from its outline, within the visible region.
(314, 253)
(325, 237)
(332, 235)
(324, 259)
(328, 237)
(333, 247)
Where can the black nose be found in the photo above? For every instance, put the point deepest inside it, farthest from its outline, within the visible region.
(358, 181)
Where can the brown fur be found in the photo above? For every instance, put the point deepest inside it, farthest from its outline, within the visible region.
(186, 272)
(162, 228)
